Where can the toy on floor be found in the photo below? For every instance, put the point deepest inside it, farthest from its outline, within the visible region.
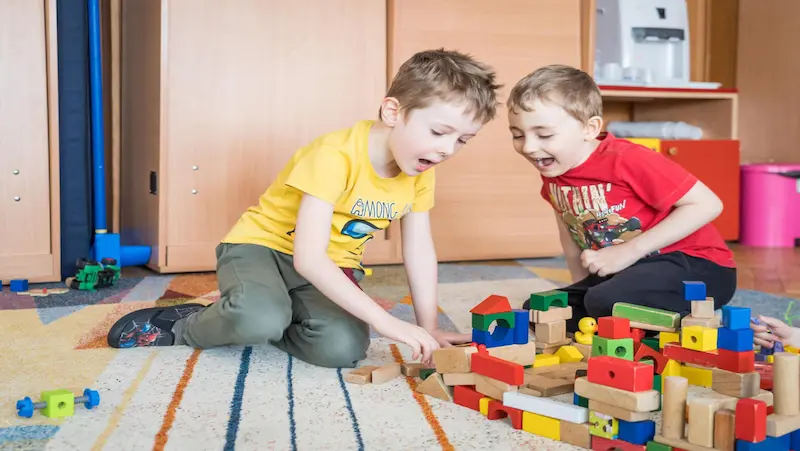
(92, 275)
(41, 292)
(18, 285)
(58, 403)
(587, 327)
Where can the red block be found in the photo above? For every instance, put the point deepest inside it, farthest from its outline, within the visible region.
(637, 335)
(737, 362)
(613, 327)
(502, 370)
(497, 410)
(606, 444)
(751, 420)
(465, 395)
(620, 373)
(683, 355)
(765, 370)
(646, 352)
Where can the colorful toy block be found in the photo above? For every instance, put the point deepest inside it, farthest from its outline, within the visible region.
(737, 340)
(541, 425)
(735, 318)
(613, 327)
(520, 326)
(492, 304)
(18, 285)
(652, 342)
(622, 374)
(646, 353)
(501, 336)
(544, 300)
(498, 369)
(504, 319)
(601, 425)
(621, 348)
(694, 291)
(647, 315)
(699, 338)
(638, 433)
(668, 337)
(751, 420)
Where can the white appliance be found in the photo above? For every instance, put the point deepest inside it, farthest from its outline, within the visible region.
(643, 43)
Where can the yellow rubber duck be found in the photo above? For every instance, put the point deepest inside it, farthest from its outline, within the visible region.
(588, 327)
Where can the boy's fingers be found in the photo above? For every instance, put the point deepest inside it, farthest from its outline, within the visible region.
(763, 343)
(772, 322)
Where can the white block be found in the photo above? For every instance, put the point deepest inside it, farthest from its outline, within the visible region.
(546, 407)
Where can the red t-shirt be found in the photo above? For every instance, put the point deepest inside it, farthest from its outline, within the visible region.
(622, 190)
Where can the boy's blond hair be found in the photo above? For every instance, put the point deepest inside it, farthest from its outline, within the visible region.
(571, 88)
(446, 76)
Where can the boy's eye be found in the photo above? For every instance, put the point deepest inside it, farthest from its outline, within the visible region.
(545, 136)
(516, 137)
(436, 133)
(462, 141)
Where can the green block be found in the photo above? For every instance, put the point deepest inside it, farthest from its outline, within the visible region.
(425, 372)
(482, 322)
(653, 446)
(652, 343)
(60, 403)
(647, 315)
(657, 383)
(583, 402)
(621, 348)
(543, 300)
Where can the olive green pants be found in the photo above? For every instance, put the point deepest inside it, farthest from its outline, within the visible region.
(264, 300)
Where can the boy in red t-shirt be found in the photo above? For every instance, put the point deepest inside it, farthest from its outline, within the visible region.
(633, 224)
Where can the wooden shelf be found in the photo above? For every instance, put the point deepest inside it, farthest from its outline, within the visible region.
(635, 93)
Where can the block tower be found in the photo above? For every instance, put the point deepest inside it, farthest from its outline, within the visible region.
(549, 313)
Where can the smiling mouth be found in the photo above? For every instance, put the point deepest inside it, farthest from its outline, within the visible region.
(543, 162)
(423, 164)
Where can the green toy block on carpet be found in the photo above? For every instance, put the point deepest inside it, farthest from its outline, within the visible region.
(647, 315)
(542, 301)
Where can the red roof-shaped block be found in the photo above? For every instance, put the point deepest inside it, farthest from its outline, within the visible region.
(492, 304)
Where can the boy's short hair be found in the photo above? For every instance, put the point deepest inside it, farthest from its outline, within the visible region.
(571, 88)
(446, 76)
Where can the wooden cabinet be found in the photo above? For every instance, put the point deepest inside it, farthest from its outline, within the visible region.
(716, 164)
(30, 240)
(487, 197)
(217, 95)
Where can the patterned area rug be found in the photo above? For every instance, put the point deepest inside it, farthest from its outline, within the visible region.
(247, 398)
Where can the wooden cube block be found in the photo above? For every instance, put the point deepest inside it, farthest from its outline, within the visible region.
(699, 338)
(703, 309)
(551, 332)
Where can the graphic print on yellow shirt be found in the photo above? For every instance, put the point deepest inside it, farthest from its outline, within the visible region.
(335, 168)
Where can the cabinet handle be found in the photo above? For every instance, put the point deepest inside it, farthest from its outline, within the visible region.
(672, 151)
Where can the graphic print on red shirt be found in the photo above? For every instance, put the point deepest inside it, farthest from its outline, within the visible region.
(622, 190)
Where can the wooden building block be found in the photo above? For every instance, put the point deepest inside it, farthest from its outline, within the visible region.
(737, 362)
(586, 350)
(740, 385)
(541, 425)
(651, 327)
(637, 335)
(646, 315)
(703, 309)
(434, 386)
(504, 319)
(551, 348)
(680, 444)
(412, 369)
(621, 348)
(736, 340)
(780, 425)
(544, 300)
(568, 354)
(551, 332)
(522, 354)
(492, 304)
(502, 370)
(622, 374)
(455, 359)
(673, 410)
(693, 291)
(645, 401)
(362, 375)
(546, 360)
(701, 427)
(552, 315)
(547, 386)
(724, 425)
(545, 406)
(453, 379)
(700, 377)
(690, 320)
(646, 353)
(386, 373)
(668, 337)
(607, 444)
(576, 434)
(751, 420)
(601, 425)
(497, 411)
(735, 318)
(684, 355)
(468, 397)
(672, 368)
(699, 338)
(785, 372)
(484, 405)
(616, 412)
(613, 327)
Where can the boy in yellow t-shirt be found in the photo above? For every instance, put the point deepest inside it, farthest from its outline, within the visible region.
(288, 270)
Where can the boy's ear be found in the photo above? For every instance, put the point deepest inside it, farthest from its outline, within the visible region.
(593, 127)
(390, 111)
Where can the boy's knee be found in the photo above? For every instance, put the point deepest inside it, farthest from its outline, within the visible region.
(257, 327)
(599, 301)
(338, 343)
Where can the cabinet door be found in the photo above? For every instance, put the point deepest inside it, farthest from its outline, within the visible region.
(248, 83)
(487, 197)
(716, 164)
(27, 248)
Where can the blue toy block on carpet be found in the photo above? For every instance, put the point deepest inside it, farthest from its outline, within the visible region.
(521, 319)
(502, 336)
(19, 285)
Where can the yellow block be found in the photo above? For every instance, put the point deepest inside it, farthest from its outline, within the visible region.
(541, 425)
(602, 425)
(546, 360)
(650, 143)
(672, 368)
(791, 349)
(699, 338)
(770, 359)
(697, 376)
(367, 271)
(568, 354)
(668, 337)
(484, 405)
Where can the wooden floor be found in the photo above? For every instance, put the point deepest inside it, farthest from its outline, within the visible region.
(774, 271)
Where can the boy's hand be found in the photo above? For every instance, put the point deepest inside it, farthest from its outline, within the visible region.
(448, 339)
(609, 260)
(780, 331)
(420, 341)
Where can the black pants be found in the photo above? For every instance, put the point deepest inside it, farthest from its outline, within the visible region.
(652, 282)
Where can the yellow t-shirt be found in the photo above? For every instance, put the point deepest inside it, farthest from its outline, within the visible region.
(336, 168)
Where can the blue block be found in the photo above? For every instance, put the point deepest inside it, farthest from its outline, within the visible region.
(638, 433)
(694, 291)
(19, 285)
(521, 320)
(766, 351)
(738, 340)
(502, 336)
(781, 443)
(794, 440)
(735, 317)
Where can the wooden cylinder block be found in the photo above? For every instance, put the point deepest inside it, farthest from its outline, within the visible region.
(673, 409)
(786, 370)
